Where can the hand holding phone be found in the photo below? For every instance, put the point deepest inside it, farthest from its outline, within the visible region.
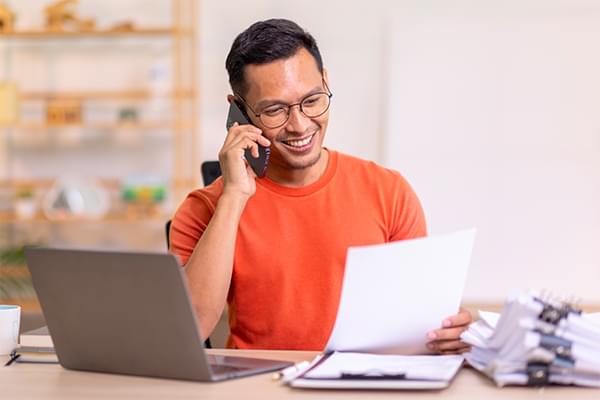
(258, 165)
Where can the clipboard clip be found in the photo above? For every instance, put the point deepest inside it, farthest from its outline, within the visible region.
(372, 375)
(553, 312)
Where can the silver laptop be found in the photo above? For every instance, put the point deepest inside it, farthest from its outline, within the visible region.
(127, 313)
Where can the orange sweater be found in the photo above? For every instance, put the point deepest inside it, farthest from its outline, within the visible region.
(291, 247)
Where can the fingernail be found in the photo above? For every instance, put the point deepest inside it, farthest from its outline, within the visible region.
(431, 335)
(446, 323)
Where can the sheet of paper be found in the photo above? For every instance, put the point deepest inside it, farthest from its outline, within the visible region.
(394, 293)
(490, 318)
(440, 368)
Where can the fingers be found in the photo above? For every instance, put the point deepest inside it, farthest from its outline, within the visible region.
(447, 339)
(446, 333)
(244, 130)
(449, 347)
(462, 318)
(240, 137)
(264, 141)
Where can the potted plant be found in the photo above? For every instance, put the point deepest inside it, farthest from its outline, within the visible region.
(25, 203)
(15, 281)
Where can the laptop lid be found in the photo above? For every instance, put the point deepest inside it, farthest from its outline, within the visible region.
(127, 313)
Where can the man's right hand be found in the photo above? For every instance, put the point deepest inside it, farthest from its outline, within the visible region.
(238, 176)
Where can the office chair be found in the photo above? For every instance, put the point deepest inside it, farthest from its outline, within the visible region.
(211, 170)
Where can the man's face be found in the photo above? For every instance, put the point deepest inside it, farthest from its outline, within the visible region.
(297, 144)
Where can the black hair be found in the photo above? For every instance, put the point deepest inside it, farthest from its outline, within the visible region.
(264, 42)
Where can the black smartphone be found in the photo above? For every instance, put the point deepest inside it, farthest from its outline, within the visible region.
(258, 165)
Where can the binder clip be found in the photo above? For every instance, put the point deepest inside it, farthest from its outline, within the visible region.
(553, 313)
(559, 346)
(538, 373)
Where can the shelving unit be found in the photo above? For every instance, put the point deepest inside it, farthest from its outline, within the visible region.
(174, 132)
(180, 127)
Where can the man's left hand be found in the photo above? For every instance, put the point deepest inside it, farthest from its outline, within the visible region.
(447, 339)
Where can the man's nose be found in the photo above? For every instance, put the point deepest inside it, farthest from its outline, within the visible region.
(298, 122)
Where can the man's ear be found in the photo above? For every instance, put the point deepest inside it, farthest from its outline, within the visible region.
(230, 98)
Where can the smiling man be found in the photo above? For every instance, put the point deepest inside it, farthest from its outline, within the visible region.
(274, 248)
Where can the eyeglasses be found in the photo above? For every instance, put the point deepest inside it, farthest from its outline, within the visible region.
(314, 105)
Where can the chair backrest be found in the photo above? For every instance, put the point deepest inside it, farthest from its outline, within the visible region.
(211, 170)
(168, 233)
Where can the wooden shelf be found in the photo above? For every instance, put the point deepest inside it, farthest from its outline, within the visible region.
(105, 182)
(47, 183)
(11, 218)
(104, 33)
(133, 94)
(114, 126)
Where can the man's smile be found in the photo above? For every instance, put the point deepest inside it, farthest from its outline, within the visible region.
(299, 145)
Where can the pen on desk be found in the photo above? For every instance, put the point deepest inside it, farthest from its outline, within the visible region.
(290, 373)
(286, 372)
(13, 357)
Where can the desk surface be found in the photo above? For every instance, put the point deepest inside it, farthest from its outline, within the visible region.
(37, 381)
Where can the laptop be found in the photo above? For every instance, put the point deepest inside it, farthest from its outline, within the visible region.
(127, 313)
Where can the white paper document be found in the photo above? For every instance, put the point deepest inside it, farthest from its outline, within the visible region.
(394, 293)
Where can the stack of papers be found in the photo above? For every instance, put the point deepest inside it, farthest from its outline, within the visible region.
(536, 342)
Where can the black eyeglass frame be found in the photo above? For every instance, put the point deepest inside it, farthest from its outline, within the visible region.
(289, 107)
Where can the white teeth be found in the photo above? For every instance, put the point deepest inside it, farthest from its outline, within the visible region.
(299, 143)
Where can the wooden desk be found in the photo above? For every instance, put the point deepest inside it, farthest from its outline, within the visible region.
(37, 381)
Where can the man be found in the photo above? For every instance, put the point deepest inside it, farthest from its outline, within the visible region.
(274, 248)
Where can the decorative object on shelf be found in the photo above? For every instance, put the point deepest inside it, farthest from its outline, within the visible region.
(63, 112)
(128, 114)
(87, 25)
(62, 16)
(25, 203)
(9, 103)
(125, 26)
(76, 198)
(7, 19)
(143, 195)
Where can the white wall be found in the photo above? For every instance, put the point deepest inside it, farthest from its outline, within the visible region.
(494, 115)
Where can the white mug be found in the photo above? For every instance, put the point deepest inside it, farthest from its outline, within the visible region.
(10, 317)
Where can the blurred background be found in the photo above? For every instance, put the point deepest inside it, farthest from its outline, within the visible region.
(489, 108)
